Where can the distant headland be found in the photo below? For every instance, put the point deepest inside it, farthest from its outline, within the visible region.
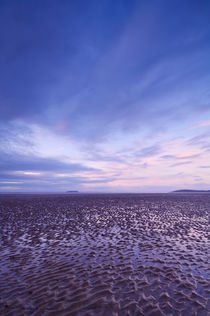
(191, 191)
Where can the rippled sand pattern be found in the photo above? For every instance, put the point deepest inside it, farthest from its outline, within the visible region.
(104, 254)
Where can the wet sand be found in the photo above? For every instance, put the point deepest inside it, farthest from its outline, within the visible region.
(110, 254)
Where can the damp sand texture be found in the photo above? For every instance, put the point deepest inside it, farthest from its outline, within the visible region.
(110, 254)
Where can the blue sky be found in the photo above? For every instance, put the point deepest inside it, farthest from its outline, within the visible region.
(109, 96)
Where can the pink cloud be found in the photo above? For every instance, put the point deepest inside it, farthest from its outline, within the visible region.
(201, 124)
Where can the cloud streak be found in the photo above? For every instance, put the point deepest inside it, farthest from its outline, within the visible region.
(33, 165)
(201, 124)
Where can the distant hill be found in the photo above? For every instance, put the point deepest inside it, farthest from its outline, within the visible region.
(191, 191)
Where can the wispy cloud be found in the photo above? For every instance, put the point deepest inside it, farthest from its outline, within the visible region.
(148, 151)
(181, 163)
(201, 124)
(32, 165)
(181, 157)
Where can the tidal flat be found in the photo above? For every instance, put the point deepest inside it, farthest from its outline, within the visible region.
(104, 254)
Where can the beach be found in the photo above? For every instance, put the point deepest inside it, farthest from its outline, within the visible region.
(104, 254)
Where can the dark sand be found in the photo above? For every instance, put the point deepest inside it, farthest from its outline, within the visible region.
(125, 254)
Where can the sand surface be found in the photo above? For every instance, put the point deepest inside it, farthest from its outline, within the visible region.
(119, 254)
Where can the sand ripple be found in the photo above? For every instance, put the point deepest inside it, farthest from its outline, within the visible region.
(128, 254)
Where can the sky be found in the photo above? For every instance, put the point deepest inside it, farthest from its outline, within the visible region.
(104, 96)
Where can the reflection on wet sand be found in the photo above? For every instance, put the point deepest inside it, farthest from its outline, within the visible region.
(116, 254)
